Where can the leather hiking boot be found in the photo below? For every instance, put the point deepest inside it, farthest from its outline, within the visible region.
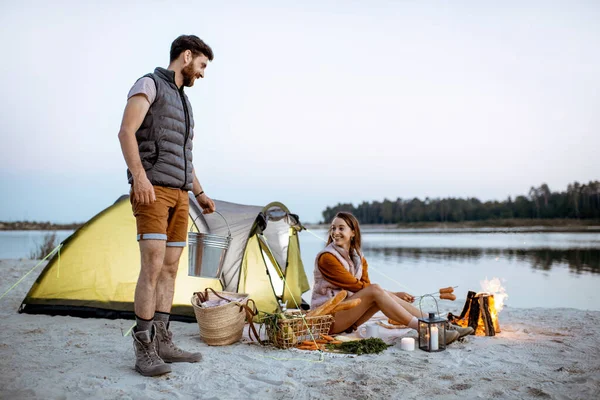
(167, 349)
(451, 336)
(461, 331)
(147, 361)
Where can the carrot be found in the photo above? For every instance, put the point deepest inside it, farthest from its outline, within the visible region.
(307, 348)
(336, 342)
(448, 289)
(447, 296)
(322, 341)
(327, 337)
(329, 305)
(346, 305)
(308, 343)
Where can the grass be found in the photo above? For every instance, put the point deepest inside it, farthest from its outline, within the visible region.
(48, 244)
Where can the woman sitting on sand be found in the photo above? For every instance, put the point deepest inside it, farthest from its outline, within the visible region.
(341, 266)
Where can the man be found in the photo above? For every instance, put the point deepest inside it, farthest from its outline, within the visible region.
(156, 139)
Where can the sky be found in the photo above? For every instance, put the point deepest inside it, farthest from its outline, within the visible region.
(309, 103)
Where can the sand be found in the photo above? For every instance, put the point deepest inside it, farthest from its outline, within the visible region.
(541, 353)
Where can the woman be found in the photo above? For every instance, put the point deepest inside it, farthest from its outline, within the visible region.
(341, 266)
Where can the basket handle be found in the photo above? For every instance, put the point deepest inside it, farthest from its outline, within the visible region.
(204, 296)
(250, 314)
(201, 297)
(216, 294)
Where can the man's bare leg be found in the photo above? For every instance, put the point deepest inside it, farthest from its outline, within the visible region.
(152, 256)
(165, 287)
(147, 360)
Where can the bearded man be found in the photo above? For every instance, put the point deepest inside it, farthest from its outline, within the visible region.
(156, 139)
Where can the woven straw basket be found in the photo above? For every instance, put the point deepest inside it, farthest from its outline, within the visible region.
(220, 325)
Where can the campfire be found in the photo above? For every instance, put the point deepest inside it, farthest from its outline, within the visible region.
(481, 309)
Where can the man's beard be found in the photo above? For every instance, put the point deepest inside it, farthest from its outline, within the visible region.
(188, 75)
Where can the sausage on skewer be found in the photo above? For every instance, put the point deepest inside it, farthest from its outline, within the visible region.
(449, 289)
(447, 296)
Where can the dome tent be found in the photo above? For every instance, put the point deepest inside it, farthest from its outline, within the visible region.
(96, 270)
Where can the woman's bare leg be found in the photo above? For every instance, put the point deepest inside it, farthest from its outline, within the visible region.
(373, 298)
(344, 319)
(367, 316)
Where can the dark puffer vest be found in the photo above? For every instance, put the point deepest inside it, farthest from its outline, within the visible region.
(165, 137)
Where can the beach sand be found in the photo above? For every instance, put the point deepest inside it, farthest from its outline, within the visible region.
(540, 354)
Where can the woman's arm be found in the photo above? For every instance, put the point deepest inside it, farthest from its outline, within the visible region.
(335, 273)
(404, 296)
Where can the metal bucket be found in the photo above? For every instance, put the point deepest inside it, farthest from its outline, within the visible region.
(206, 252)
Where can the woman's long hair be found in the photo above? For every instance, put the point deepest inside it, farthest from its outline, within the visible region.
(352, 222)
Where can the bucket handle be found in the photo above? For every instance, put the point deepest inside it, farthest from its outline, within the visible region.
(226, 223)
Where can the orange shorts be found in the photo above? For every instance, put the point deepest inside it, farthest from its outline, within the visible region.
(165, 219)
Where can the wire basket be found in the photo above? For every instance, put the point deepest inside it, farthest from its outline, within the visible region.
(293, 330)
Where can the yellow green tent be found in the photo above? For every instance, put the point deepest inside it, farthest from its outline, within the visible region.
(96, 270)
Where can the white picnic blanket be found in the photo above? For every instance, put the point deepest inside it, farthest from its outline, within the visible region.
(389, 333)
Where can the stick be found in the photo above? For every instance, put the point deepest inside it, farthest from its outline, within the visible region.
(432, 294)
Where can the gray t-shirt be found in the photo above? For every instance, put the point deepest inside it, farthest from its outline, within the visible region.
(145, 86)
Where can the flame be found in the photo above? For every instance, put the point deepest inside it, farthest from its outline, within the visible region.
(487, 305)
(480, 331)
(494, 287)
(494, 313)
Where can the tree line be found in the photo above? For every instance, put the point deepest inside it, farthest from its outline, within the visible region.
(36, 226)
(579, 201)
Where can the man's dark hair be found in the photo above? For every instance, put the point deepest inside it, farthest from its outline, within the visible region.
(192, 43)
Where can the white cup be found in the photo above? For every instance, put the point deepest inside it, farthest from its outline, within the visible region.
(367, 331)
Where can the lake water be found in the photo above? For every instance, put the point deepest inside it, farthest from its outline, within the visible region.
(21, 244)
(536, 269)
